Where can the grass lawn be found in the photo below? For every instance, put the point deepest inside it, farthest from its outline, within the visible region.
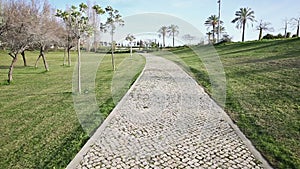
(39, 126)
(263, 93)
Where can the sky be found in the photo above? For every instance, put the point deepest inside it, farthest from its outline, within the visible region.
(195, 12)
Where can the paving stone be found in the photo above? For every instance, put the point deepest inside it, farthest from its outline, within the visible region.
(167, 121)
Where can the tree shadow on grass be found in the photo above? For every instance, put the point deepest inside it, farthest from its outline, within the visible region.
(248, 47)
(65, 152)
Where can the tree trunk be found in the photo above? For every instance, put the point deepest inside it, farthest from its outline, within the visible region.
(213, 33)
(298, 28)
(164, 40)
(243, 33)
(44, 58)
(36, 62)
(65, 56)
(112, 51)
(260, 34)
(131, 49)
(285, 30)
(24, 58)
(79, 66)
(11, 67)
(173, 39)
(42, 54)
(69, 57)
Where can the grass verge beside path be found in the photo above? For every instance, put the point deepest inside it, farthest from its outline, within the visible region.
(263, 93)
(39, 127)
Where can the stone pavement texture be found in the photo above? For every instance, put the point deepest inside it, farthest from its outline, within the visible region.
(166, 120)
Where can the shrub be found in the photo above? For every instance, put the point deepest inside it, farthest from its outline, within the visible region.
(268, 36)
(280, 36)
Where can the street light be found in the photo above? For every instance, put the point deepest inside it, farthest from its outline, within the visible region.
(219, 20)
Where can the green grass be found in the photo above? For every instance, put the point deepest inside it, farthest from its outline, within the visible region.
(263, 92)
(39, 126)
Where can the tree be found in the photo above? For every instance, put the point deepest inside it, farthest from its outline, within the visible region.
(286, 22)
(189, 38)
(17, 34)
(114, 19)
(242, 16)
(130, 38)
(221, 29)
(263, 26)
(209, 36)
(163, 32)
(46, 31)
(296, 23)
(97, 10)
(213, 22)
(173, 31)
(78, 23)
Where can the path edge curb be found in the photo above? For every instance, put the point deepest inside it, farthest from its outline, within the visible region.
(80, 155)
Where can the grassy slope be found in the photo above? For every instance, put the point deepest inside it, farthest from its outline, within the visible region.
(263, 93)
(39, 127)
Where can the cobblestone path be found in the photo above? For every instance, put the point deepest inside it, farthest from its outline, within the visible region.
(167, 121)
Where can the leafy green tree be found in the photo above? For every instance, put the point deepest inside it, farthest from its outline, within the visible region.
(78, 22)
(243, 16)
(263, 26)
(173, 31)
(114, 19)
(130, 38)
(213, 22)
(163, 32)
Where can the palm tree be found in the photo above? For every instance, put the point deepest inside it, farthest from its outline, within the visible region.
(222, 30)
(163, 31)
(209, 34)
(173, 31)
(263, 26)
(213, 22)
(242, 16)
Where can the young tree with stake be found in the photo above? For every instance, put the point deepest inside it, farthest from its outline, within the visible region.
(130, 38)
(114, 19)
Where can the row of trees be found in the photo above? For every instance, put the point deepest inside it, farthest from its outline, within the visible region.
(27, 25)
(35, 25)
(243, 17)
(171, 31)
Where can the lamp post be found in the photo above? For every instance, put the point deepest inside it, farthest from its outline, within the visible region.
(219, 20)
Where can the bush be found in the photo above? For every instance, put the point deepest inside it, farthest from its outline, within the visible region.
(268, 36)
(279, 36)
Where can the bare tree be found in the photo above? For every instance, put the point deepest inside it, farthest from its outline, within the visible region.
(296, 23)
(286, 22)
(18, 18)
(45, 31)
(263, 26)
(189, 38)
